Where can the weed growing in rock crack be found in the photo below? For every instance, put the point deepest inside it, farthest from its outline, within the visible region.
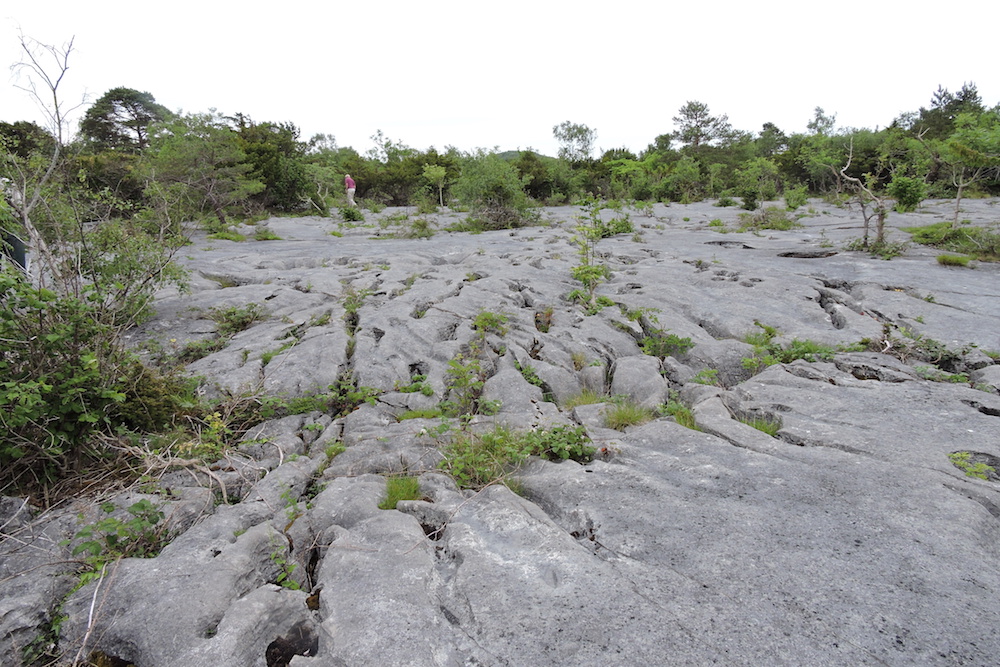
(579, 360)
(585, 397)
(281, 558)
(662, 344)
(937, 375)
(963, 461)
(768, 353)
(529, 374)
(400, 488)
(591, 228)
(426, 413)
(466, 372)
(623, 412)
(681, 413)
(418, 383)
(263, 233)
(709, 376)
(111, 538)
(476, 460)
(763, 424)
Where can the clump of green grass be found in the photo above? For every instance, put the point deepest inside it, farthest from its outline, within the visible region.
(977, 242)
(953, 260)
(763, 424)
(263, 233)
(682, 414)
(476, 460)
(585, 397)
(623, 412)
(400, 488)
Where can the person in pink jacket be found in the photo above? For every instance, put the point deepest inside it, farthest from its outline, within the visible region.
(351, 186)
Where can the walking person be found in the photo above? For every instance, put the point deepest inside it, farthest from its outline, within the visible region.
(351, 186)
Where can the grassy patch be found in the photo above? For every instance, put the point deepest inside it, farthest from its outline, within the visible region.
(399, 488)
(476, 460)
(953, 260)
(623, 412)
(763, 424)
(978, 242)
(681, 413)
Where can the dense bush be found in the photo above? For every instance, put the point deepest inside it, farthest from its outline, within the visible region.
(494, 192)
(908, 192)
(60, 376)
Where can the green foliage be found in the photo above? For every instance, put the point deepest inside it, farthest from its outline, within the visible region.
(709, 376)
(681, 413)
(493, 191)
(263, 233)
(623, 412)
(418, 383)
(351, 214)
(908, 192)
(110, 538)
(763, 424)
(979, 242)
(426, 413)
(882, 249)
(953, 260)
(757, 181)
(60, 376)
(275, 155)
(477, 460)
(576, 140)
(585, 397)
(662, 344)
(796, 197)
(771, 217)
(197, 165)
(487, 322)
(978, 469)
(400, 488)
(120, 120)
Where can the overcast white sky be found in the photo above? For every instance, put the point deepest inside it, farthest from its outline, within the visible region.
(501, 74)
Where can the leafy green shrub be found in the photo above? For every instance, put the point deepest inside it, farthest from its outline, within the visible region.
(476, 460)
(111, 538)
(882, 249)
(796, 197)
(908, 192)
(661, 344)
(351, 214)
(725, 201)
(771, 217)
(681, 413)
(400, 488)
(494, 192)
(953, 260)
(59, 377)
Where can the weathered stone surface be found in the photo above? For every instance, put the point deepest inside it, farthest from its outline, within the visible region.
(850, 538)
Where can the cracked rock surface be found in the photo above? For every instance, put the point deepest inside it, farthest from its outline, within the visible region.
(847, 538)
